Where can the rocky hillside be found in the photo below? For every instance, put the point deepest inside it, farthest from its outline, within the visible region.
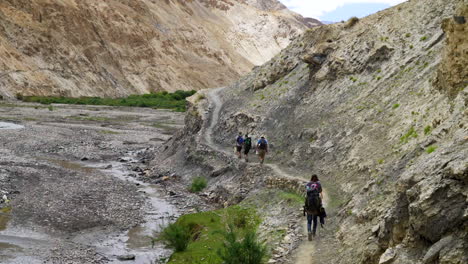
(119, 47)
(377, 108)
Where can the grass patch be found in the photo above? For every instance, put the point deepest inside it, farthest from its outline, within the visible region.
(431, 149)
(210, 237)
(410, 134)
(198, 184)
(352, 78)
(395, 106)
(291, 197)
(423, 38)
(175, 101)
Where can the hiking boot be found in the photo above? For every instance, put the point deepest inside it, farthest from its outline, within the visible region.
(310, 236)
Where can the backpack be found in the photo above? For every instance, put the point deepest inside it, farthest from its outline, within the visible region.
(262, 144)
(248, 142)
(239, 141)
(313, 202)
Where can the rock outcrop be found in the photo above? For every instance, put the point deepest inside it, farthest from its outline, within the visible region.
(377, 108)
(119, 47)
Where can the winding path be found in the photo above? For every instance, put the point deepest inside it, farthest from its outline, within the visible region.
(304, 254)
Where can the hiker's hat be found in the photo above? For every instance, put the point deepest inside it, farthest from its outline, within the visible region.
(262, 136)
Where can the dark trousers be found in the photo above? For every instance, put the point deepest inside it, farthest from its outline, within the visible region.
(311, 218)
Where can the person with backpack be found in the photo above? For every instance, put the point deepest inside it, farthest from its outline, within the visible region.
(262, 148)
(247, 146)
(239, 143)
(313, 205)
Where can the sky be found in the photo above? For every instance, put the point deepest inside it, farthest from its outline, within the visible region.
(337, 10)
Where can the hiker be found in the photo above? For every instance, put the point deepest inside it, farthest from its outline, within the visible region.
(247, 146)
(239, 143)
(313, 205)
(262, 148)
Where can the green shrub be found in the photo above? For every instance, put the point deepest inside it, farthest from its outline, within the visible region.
(411, 46)
(408, 35)
(427, 130)
(246, 250)
(198, 184)
(176, 236)
(431, 149)
(51, 108)
(423, 38)
(395, 106)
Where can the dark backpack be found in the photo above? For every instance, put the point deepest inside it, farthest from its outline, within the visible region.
(248, 142)
(312, 202)
(262, 144)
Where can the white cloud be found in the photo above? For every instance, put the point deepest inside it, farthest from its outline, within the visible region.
(317, 8)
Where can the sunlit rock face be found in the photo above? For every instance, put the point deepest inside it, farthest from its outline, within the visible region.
(120, 47)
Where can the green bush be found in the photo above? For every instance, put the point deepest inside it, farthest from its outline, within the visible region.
(246, 250)
(395, 106)
(431, 149)
(198, 184)
(423, 38)
(176, 236)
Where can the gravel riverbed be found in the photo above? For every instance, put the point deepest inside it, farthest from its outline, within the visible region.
(71, 197)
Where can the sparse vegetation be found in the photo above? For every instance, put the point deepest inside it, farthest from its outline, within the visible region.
(352, 78)
(431, 149)
(423, 38)
(175, 101)
(410, 134)
(395, 106)
(351, 22)
(427, 130)
(381, 161)
(411, 46)
(109, 132)
(198, 184)
(408, 35)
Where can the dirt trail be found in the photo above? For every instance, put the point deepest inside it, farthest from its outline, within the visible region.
(304, 254)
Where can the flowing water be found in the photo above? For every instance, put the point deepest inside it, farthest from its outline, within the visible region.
(5, 125)
(15, 242)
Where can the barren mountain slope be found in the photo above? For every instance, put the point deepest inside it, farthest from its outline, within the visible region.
(378, 108)
(119, 47)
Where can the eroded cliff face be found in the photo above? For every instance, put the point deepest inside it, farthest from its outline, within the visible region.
(119, 47)
(378, 109)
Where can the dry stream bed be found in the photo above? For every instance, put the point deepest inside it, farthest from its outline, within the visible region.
(69, 175)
